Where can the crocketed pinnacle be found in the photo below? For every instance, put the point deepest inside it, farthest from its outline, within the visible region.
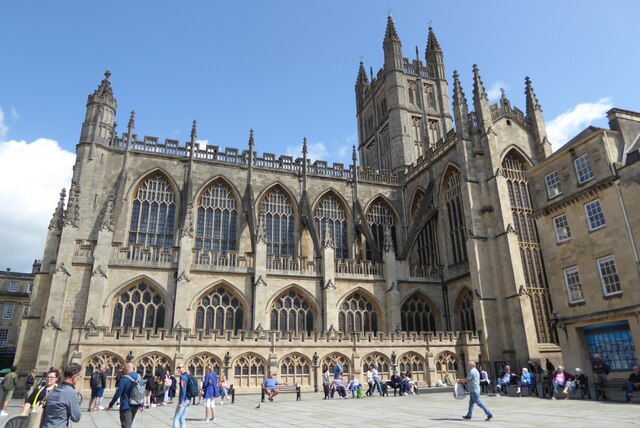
(251, 140)
(362, 75)
(57, 219)
(531, 99)
(304, 146)
(132, 120)
(479, 92)
(458, 94)
(391, 33)
(105, 86)
(194, 132)
(432, 42)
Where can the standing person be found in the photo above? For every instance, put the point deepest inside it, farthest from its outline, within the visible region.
(31, 381)
(473, 386)
(149, 388)
(174, 386)
(167, 386)
(210, 392)
(370, 382)
(33, 402)
(62, 402)
(127, 410)
(337, 368)
(326, 382)
(8, 386)
(601, 370)
(376, 380)
(180, 415)
(98, 384)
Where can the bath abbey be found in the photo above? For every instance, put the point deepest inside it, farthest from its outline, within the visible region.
(422, 254)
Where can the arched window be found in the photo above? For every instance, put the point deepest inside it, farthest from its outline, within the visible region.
(249, 370)
(217, 218)
(447, 367)
(330, 360)
(139, 306)
(279, 223)
(219, 310)
(414, 363)
(357, 314)
(464, 311)
(150, 362)
(455, 212)
(113, 362)
(380, 215)
(381, 361)
(153, 213)
(291, 312)
(330, 211)
(198, 363)
(295, 369)
(513, 168)
(417, 314)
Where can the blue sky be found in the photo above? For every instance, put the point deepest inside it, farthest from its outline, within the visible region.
(284, 68)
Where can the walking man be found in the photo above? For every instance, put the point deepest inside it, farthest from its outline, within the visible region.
(180, 415)
(473, 386)
(127, 410)
(62, 402)
(8, 386)
(98, 384)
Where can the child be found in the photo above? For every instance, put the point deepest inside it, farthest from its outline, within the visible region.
(354, 385)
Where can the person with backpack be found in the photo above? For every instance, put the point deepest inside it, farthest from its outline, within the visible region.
(131, 394)
(188, 389)
(98, 384)
(8, 386)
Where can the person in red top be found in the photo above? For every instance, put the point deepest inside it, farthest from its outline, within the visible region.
(562, 379)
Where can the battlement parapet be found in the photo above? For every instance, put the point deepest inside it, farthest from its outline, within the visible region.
(437, 151)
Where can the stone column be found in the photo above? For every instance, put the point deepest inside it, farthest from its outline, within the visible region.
(260, 288)
(392, 296)
(330, 298)
(181, 312)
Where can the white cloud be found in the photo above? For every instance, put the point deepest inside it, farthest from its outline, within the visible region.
(494, 91)
(3, 127)
(32, 175)
(336, 151)
(568, 124)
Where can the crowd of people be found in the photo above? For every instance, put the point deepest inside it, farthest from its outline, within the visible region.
(53, 401)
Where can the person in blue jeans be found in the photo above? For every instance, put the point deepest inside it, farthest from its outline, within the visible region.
(473, 387)
(180, 415)
(127, 411)
(376, 379)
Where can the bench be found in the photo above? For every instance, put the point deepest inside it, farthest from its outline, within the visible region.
(604, 391)
(583, 387)
(284, 389)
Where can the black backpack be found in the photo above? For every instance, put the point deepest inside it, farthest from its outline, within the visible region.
(192, 386)
(96, 380)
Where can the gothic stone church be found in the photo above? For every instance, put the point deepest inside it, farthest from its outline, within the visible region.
(420, 255)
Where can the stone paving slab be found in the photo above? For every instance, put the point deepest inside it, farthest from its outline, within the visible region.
(435, 409)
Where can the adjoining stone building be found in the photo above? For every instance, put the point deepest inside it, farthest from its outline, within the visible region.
(421, 256)
(586, 203)
(15, 292)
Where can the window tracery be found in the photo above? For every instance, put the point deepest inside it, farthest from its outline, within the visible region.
(219, 310)
(217, 219)
(330, 211)
(153, 213)
(295, 369)
(279, 223)
(455, 212)
(380, 215)
(292, 312)
(139, 306)
(249, 370)
(417, 314)
(357, 314)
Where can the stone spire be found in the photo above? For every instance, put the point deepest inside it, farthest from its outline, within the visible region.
(481, 101)
(460, 107)
(362, 76)
(392, 47)
(104, 90)
(362, 85)
(57, 220)
(250, 161)
(99, 122)
(194, 136)
(130, 126)
(434, 56)
(536, 120)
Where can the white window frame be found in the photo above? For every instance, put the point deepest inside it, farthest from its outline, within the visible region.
(604, 278)
(14, 286)
(4, 335)
(552, 184)
(572, 282)
(592, 217)
(562, 228)
(7, 313)
(584, 170)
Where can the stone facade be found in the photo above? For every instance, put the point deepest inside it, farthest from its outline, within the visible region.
(586, 199)
(15, 291)
(410, 258)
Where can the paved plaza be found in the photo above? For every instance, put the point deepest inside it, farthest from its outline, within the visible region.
(430, 409)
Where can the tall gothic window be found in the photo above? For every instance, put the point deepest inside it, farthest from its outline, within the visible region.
(279, 223)
(385, 150)
(446, 366)
(381, 361)
(219, 310)
(291, 312)
(329, 361)
(153, 213)
(357, 314)
(330, 211)
(139, 306)
(249, 370)
(217, 219)
(380, 215)
(414, 363)
(455, 212)
(464, 311)
(417, 314)
(513, 168)
(434, 131)
(430, 95)
(417, 136)
(295, 369)
(197, 364)
(150, 362)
